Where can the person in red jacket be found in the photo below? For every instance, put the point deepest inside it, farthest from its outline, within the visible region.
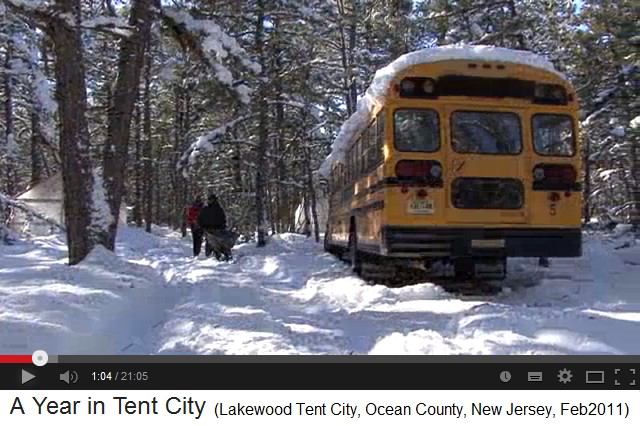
(197, 233)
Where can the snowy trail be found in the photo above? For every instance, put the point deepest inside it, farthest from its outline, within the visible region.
(292, 298)
(296, 299)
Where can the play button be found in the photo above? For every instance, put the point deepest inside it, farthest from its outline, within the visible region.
(27, 377)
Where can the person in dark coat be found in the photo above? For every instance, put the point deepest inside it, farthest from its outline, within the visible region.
(197, 233)
(212, 220)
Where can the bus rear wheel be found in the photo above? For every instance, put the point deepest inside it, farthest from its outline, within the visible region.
(354, 254)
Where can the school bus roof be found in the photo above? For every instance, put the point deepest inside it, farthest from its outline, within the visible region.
(384, 77)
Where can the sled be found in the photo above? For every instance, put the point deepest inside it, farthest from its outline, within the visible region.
(221, 242)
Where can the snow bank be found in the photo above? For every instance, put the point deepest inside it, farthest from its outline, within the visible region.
(103, 305)
(382, 80)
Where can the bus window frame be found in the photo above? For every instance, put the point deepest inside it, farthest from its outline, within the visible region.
(380, 136)
(500, 154)
(518, 181)
(369, 148)
(357, 158)
(369, 140)
(393, 119)
(574, 134)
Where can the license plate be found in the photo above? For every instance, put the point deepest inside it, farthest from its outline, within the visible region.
(487, 243)
(421, 207)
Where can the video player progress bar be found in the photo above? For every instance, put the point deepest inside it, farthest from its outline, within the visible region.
(322, 359)
(340, 359)
(25, 359)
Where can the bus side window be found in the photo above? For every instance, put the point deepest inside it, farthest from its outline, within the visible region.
(350, 175)
(379, 136)
(364, 151)
(371, 140)
(366, 155)
(357, 149)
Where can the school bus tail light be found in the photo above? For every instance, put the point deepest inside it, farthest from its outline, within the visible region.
(413, 169)
(425, 172)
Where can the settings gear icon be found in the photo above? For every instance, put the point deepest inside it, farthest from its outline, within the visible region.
(564, 376)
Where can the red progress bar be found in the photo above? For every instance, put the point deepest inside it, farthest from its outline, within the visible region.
(16, 359)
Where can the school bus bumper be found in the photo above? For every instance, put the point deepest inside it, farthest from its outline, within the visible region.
(410, 241)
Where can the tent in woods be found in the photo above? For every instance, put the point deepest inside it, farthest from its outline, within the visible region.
(45, 198)
(322, 207)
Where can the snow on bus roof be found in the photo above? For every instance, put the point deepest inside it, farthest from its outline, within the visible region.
(382, 80)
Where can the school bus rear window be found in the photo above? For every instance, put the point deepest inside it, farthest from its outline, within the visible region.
(416, 130)
(553, 134)
(483, 132)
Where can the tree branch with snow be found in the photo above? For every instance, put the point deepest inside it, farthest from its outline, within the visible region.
(6, 201)
(206, 143)
(211, 45)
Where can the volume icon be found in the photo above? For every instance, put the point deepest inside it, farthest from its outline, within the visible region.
(69, 377)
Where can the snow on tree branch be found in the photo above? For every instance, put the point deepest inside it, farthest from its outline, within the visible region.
(5, 200)
(112, 24)
(27, 63)
(39, 10)
(28, 5)
(205, 143)
(214, 47)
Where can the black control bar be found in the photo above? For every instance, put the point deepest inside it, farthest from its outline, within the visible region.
(319, 375)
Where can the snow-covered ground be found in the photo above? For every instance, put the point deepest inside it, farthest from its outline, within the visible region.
(292, 298)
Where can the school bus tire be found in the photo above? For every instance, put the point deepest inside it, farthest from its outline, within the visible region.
(353, 253)
(464, 267)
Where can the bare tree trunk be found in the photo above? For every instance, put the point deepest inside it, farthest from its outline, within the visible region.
(149, 181)
(586, 213)
(263, 131)
(74, 132)
(130, 61)
(282, 190)
(520, 41)
(137, 202)
(353, 40)
(314, 207)
(184, 190)
(237, 167)
(9, 166)
(635, 177)
(346, 53)
(158, 206)
(176, 178)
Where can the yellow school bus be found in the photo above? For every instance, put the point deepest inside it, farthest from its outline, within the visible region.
(460, 157)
